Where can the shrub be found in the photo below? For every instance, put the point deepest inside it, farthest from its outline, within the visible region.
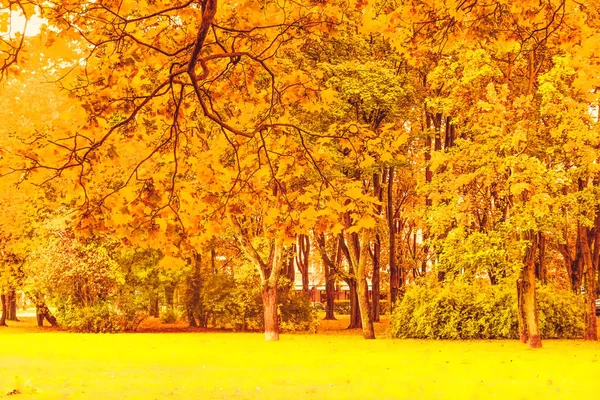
(297, 313)
(384, 307)
(237, 303)
(96, 319)
(479, 311)
(341, 307)
(169, 316)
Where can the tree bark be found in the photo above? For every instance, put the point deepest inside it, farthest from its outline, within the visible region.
(527, 301)
(330, 268)
(154, 306)
(589, 272)
(540, 265)
(303, 252)
(363, 290)
(268, 271)
(4, 310)
(169, 295)
(12, 306)
(269, 297)
(521, 309)
(330, 294)
(358, 258)
(394, 281)
(355, 321)
(376, 257)
(193, 300)
(42, 312)
(350, 280)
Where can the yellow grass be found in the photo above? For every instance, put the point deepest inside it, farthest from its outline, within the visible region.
(331, 365)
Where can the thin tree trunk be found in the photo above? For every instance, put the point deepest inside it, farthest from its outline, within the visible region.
(269, 272)
(12, 306)
(540, 265)
(355, 321)
(330, 295)
(394, 281)
(169, 295)
(589, 272)
(528, 303)
(329, 267)
(289, 265)
(269, 298)
(154, 306)
(376, 257)
(42, 312)
(4, 310)
(521, 309)
(193, 303)
(302, 260)
(363, 289)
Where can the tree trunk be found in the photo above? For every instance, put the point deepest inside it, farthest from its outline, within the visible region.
(289, 265)
(574, 265)
(355, 321)
(589, 272)
(527, 301)
(269, 298)
(12, 306)
(540, 265)
(193, 301)
(330, 295)
(521, 309)
(269, 272)
(302, 260)
(39, 317)
(42, 312)
(154, 306)
(4, 310)
(329, 267)
(394, 281)
(169, 295)
(376, 257)
(363, 289)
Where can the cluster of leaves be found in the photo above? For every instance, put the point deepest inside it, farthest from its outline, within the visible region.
(235, 302)
(96, 286)
(481, 311)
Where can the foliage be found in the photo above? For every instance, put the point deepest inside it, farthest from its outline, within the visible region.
(481, 311)
(296, 313)
(236, 302)
(99, 318)
(170, 316)
(96, 285)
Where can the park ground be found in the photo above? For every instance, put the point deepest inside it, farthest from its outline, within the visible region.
(161, 363)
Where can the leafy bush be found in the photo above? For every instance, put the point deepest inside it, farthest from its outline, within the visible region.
(169, 316)
(237, 303)
(561, 313)
(96, 319)
(479, 311)
(297, 313)
(341, 307)
(384, 307)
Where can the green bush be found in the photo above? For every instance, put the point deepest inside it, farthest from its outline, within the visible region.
(96, 319)
(169, 316)
(480, 311)
(237, 303)
(384, 307)
(296, 313)
(341, 307)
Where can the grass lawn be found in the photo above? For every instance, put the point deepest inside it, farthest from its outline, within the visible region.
(46, 364)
